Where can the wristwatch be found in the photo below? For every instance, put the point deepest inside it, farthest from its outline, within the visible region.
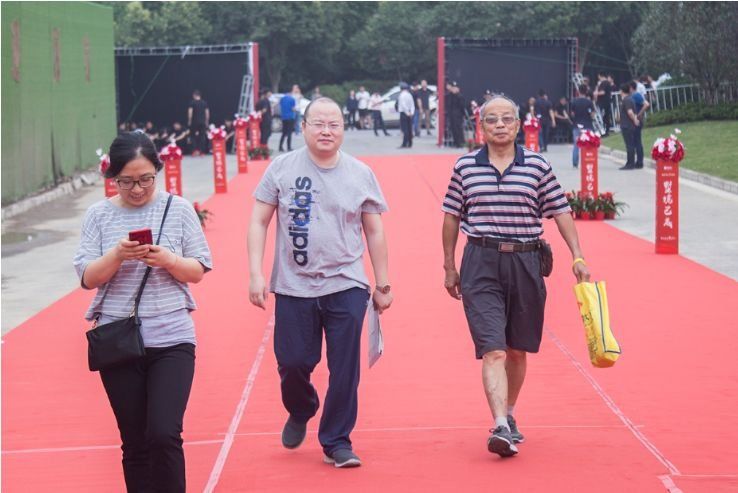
(383, 289)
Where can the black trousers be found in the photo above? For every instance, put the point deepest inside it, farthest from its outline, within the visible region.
(266, 130)
(629, 137)
(149, 398)
(638, 143)
(378, 122)
(406, 125)
(351, 121)
(288, 127)
(199, 134)
(298, 340)
(544, 135)
(456, 122)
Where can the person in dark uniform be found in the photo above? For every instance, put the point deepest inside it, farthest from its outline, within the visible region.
(198, 119)
(264, 107)
(455, 111)
(544, 108)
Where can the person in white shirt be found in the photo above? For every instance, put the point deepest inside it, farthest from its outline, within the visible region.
(375, 107)
(363, 97)
(406, 108)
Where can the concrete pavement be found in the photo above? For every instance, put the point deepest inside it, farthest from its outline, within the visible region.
(38, 245)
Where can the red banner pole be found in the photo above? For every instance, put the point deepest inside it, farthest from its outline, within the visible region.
(441, 90)
(242, 149)
(255, 71)
(478, 134)
(219, 165)
(531, 139)
(173, 176)
(667, 207)
(589, 173)
(111, 189)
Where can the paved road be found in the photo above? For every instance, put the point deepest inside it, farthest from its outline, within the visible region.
(38, 246)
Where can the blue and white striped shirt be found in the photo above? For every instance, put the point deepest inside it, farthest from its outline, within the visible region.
(506, 206)
(164, 298)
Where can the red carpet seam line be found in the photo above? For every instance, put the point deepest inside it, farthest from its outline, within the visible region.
(228, 441)
(614, 408)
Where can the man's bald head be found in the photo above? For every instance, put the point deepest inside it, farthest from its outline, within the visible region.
(499, 100)
(320, 101)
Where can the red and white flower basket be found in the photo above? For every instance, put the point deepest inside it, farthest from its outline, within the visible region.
(104, 162)
(588, 138)
(217, 133)
(670, 149)
(531, 123)
(171, 152)
(241, 122)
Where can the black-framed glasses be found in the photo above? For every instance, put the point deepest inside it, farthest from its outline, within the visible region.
(330, 126)
(144, 182)
(493, 119)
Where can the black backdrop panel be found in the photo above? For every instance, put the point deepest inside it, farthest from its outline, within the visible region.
(518, 72)
(172, 80)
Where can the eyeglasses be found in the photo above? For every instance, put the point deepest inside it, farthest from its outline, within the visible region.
(492, 119)
(330, 126)
(144, 182)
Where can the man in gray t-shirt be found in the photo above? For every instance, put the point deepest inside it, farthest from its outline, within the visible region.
(323, 199)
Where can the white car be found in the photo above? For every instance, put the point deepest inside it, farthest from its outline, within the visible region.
(391, 116)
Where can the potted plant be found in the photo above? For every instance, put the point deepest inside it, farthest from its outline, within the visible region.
(202, 214)
(261, 152)
(610, 206)
(598, 212)
(587, 205)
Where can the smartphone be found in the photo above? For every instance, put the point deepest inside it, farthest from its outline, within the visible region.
(142, 236)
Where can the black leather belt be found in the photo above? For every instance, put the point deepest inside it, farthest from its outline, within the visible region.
(503, 246)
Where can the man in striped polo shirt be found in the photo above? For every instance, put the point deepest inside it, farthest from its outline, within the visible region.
(498, 195)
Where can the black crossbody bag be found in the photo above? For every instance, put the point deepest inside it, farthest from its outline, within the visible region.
(119, 342)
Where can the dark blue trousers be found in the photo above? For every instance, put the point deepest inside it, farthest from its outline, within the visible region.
(298, 339)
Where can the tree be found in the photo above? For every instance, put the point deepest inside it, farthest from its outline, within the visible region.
(697, 39)
(161, 24)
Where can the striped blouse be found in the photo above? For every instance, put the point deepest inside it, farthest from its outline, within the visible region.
(506, 206)
(105, 224)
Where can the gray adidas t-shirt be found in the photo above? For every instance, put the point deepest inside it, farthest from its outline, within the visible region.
(319, 243)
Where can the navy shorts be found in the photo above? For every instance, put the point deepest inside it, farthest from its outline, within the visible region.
(504, 297)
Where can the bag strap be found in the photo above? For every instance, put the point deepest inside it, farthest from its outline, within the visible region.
(148, 269)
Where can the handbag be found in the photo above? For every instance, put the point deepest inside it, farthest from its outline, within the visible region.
(119, 342)
(602, 346)
(546, 256)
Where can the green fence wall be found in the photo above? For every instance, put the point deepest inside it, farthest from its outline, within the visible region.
(58, 92)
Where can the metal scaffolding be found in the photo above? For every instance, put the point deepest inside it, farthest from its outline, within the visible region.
(183, 51)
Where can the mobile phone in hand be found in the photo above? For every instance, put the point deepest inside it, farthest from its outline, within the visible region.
(142, 236)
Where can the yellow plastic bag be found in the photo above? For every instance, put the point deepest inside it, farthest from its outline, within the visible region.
(604, 350)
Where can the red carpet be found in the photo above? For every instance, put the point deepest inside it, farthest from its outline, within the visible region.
(662, 418)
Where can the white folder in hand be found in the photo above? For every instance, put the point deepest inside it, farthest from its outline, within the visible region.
(376, 343)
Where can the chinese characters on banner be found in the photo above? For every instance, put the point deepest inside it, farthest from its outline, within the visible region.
(589, 170)
(667, 207)
(242, 149)
(173, 176)
(219, 165)
(254, 131)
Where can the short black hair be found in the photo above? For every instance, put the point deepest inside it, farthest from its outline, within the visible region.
(541, 92)
(583, 89)
(322, 99)
(128, 146)
(196, 92)
(633, 84)
(625, 87)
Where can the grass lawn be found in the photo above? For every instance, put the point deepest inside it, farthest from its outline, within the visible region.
(709, 146)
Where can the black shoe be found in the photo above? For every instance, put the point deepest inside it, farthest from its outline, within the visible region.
(342, 457)
(628, 166)
(293, 433)
(501, 442)
(639, 166)
(514, 431)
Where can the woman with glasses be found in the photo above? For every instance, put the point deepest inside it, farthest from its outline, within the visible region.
(148, 395)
